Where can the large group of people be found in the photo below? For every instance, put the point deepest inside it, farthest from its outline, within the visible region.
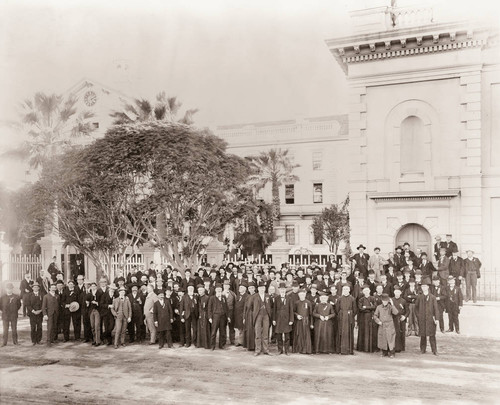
(300, 309)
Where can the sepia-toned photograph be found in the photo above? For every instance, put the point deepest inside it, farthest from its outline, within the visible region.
(249, 202)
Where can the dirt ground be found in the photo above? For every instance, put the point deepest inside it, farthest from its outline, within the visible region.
(467, 371)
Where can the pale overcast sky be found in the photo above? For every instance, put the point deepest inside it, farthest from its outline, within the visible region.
(237, 61)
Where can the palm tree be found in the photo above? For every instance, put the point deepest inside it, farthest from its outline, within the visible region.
(274, 167)
(52, 123)
(164, 109)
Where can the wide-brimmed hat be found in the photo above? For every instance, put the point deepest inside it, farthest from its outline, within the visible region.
(361, 246)
(74, 306)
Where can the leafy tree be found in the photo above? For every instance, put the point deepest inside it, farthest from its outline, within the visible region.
(52, 124)
(332, 225)
(273, 167)
(254, 231)
(164, 109)
(94, 212)
(179, 181)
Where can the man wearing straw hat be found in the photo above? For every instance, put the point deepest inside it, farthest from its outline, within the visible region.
(122, 311)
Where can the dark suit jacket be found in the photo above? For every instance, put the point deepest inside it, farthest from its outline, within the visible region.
(25, 287)
(217, 307)
(437, 248)
(44, 284)
(9, 305)
(69, 296)
(104, 301)
(361, 263)
(257, 304)
(427, 269)
(50, 305)
(282, 315)
(450, 248)
(90, 298)
(189, 307)
(443, 267)
(163, 315)
(34, 303)
(457, 267)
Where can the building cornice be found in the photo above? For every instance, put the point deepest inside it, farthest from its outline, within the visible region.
(431, 38)
(414, 195)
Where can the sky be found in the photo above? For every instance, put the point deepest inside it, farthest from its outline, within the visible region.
(238, 61)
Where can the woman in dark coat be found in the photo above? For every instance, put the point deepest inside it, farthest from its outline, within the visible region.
(367, 331)
(323, 313)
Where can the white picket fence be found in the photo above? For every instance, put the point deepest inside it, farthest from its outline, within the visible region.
(132, 260)
(20, 264)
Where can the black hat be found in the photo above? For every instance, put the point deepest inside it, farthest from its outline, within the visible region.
(406, 243)
(218, 285)
(282, 285)
(361, 246)
(385, 297)
(397, 287)
(399, 247)
(295, 283)
(262, 283)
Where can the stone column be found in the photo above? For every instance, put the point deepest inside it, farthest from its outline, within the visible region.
(215, 252)
(358, 169)
(5, 251)
(470, 228)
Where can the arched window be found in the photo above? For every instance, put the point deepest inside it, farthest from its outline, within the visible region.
(412, 145)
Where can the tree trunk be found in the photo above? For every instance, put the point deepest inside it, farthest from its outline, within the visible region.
(276, 202)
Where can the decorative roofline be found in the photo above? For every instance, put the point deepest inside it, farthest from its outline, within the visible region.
(414, 195)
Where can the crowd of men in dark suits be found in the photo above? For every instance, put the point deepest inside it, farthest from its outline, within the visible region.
(302, 309)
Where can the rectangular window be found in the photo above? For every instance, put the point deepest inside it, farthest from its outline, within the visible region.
(317, 193)
(317, 160)
(289, 194)
(95, 125)
(290, 234)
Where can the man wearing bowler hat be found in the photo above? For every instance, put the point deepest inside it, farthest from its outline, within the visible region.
(9, 305)
(34, 307)
(163, 316)
(427, 312)
(361, 260)
(50, 309)
(261, 315)
(218, 317)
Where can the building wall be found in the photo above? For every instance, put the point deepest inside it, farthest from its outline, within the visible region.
(306, 140)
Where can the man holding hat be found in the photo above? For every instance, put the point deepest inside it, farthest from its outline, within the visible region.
(163, 319)
(361, 260)
(72, 312)
(34, 307)
(9, 305)
(472, 273)
(427, 311)
(383, 317)
(261, 314)
(122, 312)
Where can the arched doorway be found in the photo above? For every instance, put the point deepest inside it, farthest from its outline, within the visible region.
(417, 236)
